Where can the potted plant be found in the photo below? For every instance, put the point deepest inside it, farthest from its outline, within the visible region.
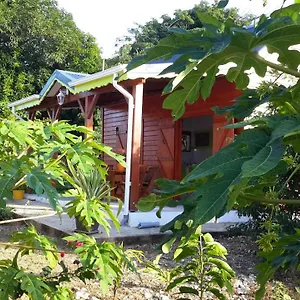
(19, 192)
(91, 203)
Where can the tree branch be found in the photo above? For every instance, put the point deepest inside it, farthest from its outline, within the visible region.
(20, 246)
(277, 67)
(271, 201)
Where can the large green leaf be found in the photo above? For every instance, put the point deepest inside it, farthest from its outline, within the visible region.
(9, 286)
(264, 161)
(219, 181)
(29, 237)
(42, 184)
(232, 157)
(32, 285)
(228, 44)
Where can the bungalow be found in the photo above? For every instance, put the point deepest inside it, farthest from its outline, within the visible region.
(135, 124)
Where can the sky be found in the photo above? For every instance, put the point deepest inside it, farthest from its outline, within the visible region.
(109, 19)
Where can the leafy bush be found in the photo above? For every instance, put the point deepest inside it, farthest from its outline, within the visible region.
(104, 262)
(27, 156)
(285, 254)
(287, 216)
(201, 269)
(6, 213)
(286, 187)
(246, 170)
(92, 195)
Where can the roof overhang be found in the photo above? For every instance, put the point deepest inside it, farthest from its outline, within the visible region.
(93, 81)
(24, 103)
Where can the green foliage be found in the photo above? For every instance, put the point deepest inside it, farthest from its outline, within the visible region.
(105, 262)
(17, 280)
(255, 167)
(287, 216)
(226, 177)
(242, 170)
(201, 267)
(27, 156)
(222, 43)
(32, 285)
(281, 292)
(62, 293)
(9, 287)
(6, 213)
(145, 36)
(36, 37)
(36, 154)
(29, 237)
(284, 255)
(92, 199)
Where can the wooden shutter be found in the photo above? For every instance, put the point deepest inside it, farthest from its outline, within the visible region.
(221, 137)
(166, 148)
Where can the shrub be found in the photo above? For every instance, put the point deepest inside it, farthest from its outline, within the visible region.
(6, 213)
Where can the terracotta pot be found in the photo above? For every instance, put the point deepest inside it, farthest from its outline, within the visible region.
(18, 194)
(120, 168)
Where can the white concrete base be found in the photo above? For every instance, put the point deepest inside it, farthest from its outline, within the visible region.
(168, 214)
(135, 218)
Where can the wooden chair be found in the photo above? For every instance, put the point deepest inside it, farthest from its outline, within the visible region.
(148, 175)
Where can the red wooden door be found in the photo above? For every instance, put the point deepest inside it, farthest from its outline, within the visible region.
(166, 148)
(221, 137)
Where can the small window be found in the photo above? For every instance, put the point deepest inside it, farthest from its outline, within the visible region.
(202, 139)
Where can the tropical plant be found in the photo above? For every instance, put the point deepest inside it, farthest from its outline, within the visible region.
(284, 255)
(27, 156)
(201, 267)
(104, 262)
(38, 154)
(92, 199)
(248, 169)
(6, 213)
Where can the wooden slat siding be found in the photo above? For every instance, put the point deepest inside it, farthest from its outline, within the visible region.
(151, 140)
(151, 133)
(115, 116)
(113, 119)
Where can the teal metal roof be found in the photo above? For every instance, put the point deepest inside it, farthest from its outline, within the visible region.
(63, 77)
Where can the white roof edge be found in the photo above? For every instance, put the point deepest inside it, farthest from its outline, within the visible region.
(150, 71)
(98, 75)
(24, 100)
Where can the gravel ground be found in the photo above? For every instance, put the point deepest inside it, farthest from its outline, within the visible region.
(242, 258)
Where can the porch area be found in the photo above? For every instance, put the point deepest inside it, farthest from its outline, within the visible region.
(39, 213)
(135, 124)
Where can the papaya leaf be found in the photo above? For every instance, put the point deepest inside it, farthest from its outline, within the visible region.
(30, 237)
(9, 286)
(264, 161)
(188, 290)
(32, 285)
(222, 3)
(41, 183)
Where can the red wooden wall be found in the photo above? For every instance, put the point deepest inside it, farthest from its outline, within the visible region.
(160, 135)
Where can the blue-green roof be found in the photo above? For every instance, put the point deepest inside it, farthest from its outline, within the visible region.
(63, 77)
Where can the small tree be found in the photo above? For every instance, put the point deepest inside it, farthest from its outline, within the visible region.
(247, 170)
(27, 157)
